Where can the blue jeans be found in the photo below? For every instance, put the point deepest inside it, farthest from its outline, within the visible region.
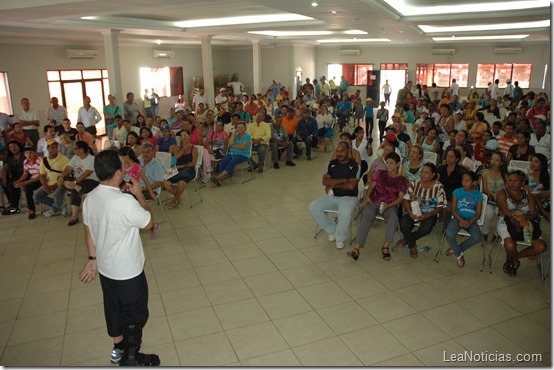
(452, 230)
(55, 203)
(229, 162)
(261, 149)
(344, 205)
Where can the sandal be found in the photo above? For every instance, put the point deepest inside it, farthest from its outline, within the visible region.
(449, 252)
(354, 254)
(413, 252)
(513, 269)
(400, 243)
(386, 256)
(461, 261)
(506, 266)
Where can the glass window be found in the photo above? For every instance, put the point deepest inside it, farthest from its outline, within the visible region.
(442, 74)
(361, 73)
(71, 75)
(55, 89)
(53, 75)
(105, 73)
(394, 66)
(166, 81)
(5, 97)
(92, 74)
(516, 72)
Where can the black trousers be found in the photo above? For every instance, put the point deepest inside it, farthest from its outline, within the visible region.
(29, 190)
(91, 130)
(86, 186)
(125, 303)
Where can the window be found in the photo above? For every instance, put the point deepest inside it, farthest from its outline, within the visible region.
(166, 81)
(394, 66)
(5, 97)
(516, 72)
(355, 74)
(71, 86)
(442, 74)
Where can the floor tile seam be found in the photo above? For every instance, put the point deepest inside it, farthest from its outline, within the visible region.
(495, 330)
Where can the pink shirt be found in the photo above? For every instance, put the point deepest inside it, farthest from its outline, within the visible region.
(388, 188)
(134, 171)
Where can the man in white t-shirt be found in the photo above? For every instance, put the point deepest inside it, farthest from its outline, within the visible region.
(540, 140)
(199, 98)
(28, 119)
(387, 90)
(55, 111)
(112, 230)
(222, 97)
(49, 134)
(495, 90)
(455, 88)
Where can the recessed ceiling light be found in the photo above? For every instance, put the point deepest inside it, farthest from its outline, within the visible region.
(334, 11)
(158, 41)
(355, 32)
(485, 27)
(479, 38)
(314, 3)
(89, 17)
(291, 33)
(262, 18)
(327, 41)
(402, 7)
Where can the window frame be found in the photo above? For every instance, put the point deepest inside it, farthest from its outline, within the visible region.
(432, 68)
(495, 75)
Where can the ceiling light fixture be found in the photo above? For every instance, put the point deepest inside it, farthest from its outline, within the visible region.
(485, 27)
(291, 33)
(479, 38)
(328, 41)
(88, 18)
(402, 7)
(354, 32)
(250, 19)
(158, 41)
(315, 3)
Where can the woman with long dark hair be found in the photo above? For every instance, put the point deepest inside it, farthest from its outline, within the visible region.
(11, 172)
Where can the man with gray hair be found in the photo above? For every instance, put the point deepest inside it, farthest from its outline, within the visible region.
(153, 169)
(280, 140)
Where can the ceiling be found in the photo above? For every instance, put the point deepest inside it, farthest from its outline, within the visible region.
(146, 22)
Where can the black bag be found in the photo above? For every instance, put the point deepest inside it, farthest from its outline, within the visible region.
(516, 231)
(218, 153)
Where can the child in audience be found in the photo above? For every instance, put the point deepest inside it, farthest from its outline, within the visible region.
(467, 205)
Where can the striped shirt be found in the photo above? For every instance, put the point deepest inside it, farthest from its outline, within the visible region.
(429, 199)
(33, 168)
(506, 144)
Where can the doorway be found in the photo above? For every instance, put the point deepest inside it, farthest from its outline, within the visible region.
(397, 80)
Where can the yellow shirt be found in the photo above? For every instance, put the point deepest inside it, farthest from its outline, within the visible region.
(261, 131)
(57, 164)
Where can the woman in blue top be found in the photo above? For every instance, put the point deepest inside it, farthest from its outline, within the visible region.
(239, 151)
(467, 205)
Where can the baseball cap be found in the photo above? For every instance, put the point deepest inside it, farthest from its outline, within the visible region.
(29, 147)
(391, 138)
(166, 128)
(50, 142)
(244, 94)
(508, 113)
(460, 112)
(222, 89)
(541, 117)
(492, 144)
(425, 110)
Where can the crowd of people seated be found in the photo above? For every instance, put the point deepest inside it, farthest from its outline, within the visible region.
(435, 153)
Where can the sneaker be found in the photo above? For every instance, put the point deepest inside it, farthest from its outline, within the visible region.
(10, 211)
(51, 213)
(32, 214)
(340, 245)
(331, 237)
(116, 355)
(276, 166)
(290, 163)
(154, 231)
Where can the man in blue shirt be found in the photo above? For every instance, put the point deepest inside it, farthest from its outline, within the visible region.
(306, 131)
(153, 169)
(344, 110)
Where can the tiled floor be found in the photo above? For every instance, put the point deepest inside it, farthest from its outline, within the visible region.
(240, 280)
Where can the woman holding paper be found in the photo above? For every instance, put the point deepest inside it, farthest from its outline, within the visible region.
(423, 201)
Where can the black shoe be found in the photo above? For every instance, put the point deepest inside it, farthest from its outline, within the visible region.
(142, 359)
(290, 163)
(73, 222)
(276, 165)
(10, 211)
(309, 157)
(32, 214)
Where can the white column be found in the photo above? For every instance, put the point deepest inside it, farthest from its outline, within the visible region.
(208, 70)
(113, 65)
(256, 66)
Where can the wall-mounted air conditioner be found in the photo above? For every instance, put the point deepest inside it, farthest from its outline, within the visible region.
(443, 51)
(349, 52)
(80, 54)
(163, 54)
(507, 50)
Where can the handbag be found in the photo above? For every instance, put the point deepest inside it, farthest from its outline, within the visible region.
(170, 172)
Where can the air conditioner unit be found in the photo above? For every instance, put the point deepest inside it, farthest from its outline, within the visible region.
(349, 52)
(507, 50)
(164, 54)
(443, 51)
(80, 54)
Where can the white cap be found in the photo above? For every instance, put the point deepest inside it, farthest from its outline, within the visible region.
(460, 112)
(222, 89)
(541, 117)
(425, 110)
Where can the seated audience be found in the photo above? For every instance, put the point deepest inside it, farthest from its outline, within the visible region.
(539, 183)
(30, 180)
(521, 151)
(51, 168)
(11, 173)
(306, 132)
(280, 140)
(494, 180)
(239, 151)
(186, 155)
(411, 169)
(260, 134)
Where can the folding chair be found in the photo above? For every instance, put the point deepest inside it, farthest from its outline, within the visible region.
(335, 215)
(463, 232)
(248, 164)
(267, 162)
(544, 266)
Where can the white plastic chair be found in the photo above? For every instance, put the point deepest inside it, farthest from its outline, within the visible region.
(524, 166)
(543, 267)
(429, 157)
(248, 166)
(463, 232)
